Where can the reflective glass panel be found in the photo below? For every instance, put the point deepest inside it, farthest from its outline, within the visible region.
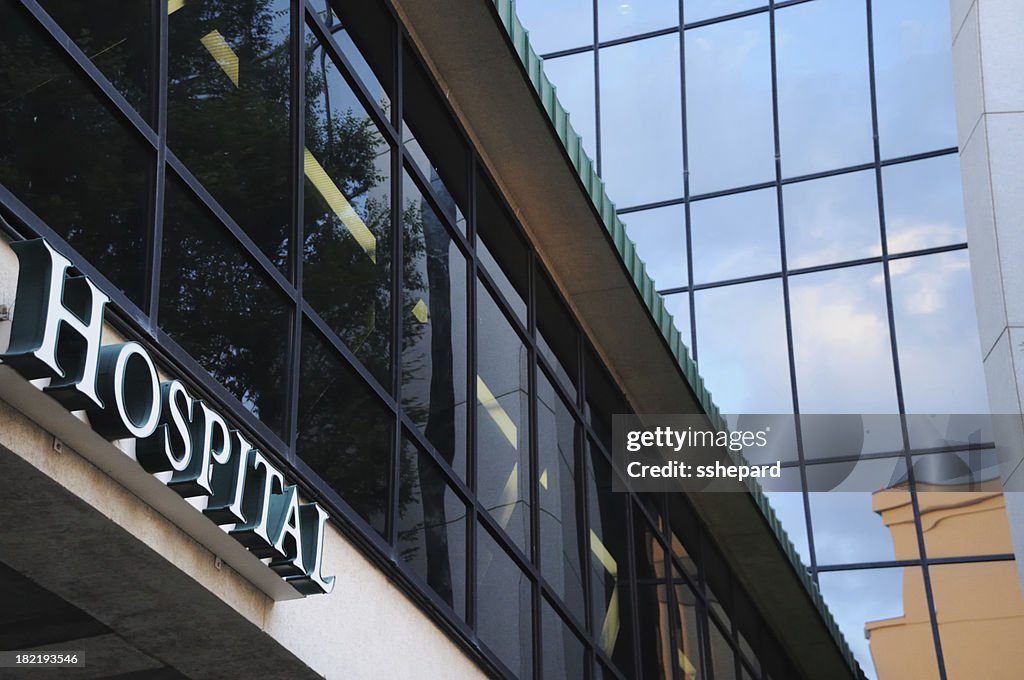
(502, 424)
(504, 606)
(923, 204)
(557, 338)
(559, 523)
(117, 37)
(347, 238)
(723, 658)
(221, 308)
(557, 24)
(660, 238)
(435, 342)
(841, 342)
(789, 508)
(228, 110)
(564, 655)
(824, 94)
(697, 10)
(748, 371)
(573, 76)
(43, 105)
(832, 219)
(656, 646)
(641, 133)
(432, 527)
(343, 38)
(981, 617)
(622, 18)
(913, 76)
(688, 647)
(344, 431)
(678, 304)
(937, 334)
(735, 236)
(730, 133)
(883, 615)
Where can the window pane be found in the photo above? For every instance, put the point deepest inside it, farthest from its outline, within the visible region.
(434, 316)
(749, 372)
(502, 425)
(221, 309)
(618, 19)
(641, 129)
(696, 10)
(557, 24)
(347, 240)
(43, 105)
(559, 524)
(735, 236)
(937, 334)
(608, 559)
(564, 655)
(504, 606)
(923, 204)
(574, 77)
(723, 659)
(832, 220)
(852, 524)
(660, 238)
(344, 432)
(789, 508)
(117, 38)
(557, 338)
(729, 118)
(913, 76)
(688, 654)
(501, 248)
(432, 527)
(981, 615)
(228, 111)
(678, 304)
(883, 615)
(841, 342)
(656, 646)
(824, 95)
(355, 57)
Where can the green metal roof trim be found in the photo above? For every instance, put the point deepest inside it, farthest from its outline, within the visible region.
(663, 319)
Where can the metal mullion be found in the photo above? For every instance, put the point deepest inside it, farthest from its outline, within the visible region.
(568, 52)
(674, 623)
(155, 234)
(886, 564)
(412, 431)
(96, 79)
(505, 542)
(786, 301)
(948, 151)
(348, 72)
(471, 392)
(255, 255)
(332, 339)
(597, 85)
(631, 583)
(534, 458)
(296, 250)
(687, 222)
(397, 317)
(929, 595)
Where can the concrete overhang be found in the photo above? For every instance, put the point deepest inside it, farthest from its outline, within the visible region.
(480, 55)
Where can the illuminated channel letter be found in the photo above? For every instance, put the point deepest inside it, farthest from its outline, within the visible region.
(56, 315)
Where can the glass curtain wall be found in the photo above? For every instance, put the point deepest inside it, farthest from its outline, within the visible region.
(790, 175)
(280, 203)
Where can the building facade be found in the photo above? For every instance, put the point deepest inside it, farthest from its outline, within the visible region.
(791, 174)
(315, 317)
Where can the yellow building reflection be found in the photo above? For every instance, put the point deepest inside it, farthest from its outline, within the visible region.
(979, 607)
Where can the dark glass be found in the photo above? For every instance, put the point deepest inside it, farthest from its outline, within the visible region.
(445, 200)
(347, 241)
(343, 38)
(502, 420)
(688, 647)
(344, 431)
(723, 658)
(117, 36)
(501, 248)
(504, 606)
(556, 333)
(435, 340)
(656, 651)
(560, 544)
(608, 558)
(432, 527)
(61, 149)
(221, 308)
(229, 74)
(563, 652)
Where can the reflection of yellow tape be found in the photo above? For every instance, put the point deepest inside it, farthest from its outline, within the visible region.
(544, 479)
(421, 311)
(340, 205)
(222, 53)
(610, 625)
(509, 496)
(496, 412)
(688, 670)
(174, 5)
(602, 554)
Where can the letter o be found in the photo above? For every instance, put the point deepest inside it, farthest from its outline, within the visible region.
(130, 389)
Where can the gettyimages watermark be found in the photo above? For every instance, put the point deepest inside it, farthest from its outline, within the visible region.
(840, 452)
